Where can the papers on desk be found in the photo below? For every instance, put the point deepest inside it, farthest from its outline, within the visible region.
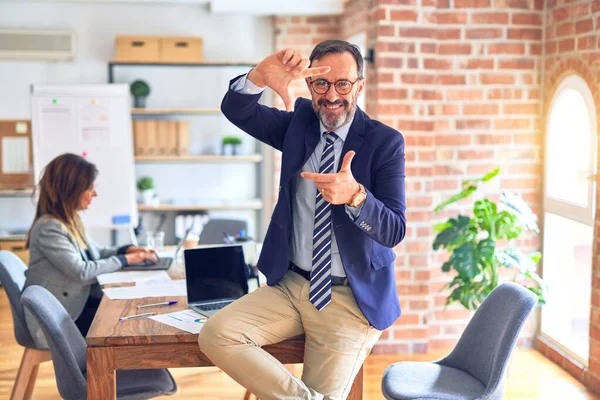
(155, 289)
(133, 276)
(186, 320)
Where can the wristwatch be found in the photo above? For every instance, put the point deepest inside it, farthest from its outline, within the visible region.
(359, 198)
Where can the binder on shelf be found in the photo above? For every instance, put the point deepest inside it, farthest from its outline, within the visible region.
(162, 137)
(151, 146)
(172, 138)
(16, 155)
(138, 138)
(183, 138)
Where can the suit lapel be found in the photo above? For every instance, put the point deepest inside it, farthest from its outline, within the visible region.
(311, 139)
(354, 139)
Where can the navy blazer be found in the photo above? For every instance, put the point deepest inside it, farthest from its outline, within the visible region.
(366, 244)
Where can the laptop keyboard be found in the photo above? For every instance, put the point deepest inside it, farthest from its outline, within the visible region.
(213, 306)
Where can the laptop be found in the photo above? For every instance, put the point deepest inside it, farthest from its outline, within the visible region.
(163, 263)
(215, 277)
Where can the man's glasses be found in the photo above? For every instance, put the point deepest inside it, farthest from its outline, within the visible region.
(343, 86)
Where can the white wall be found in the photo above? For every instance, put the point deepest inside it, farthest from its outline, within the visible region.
(226, 37)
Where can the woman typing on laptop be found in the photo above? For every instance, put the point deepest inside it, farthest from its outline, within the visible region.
(63, 257)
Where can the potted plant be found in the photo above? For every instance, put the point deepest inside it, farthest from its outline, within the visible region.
(231, 145)
(145, 186)
(140, 90)
(481, 246)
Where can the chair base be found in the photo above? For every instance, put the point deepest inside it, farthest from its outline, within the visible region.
(27, 374)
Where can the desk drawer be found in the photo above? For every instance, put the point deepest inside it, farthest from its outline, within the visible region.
(17, 247)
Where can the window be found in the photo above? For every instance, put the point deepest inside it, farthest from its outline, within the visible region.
(569, 208)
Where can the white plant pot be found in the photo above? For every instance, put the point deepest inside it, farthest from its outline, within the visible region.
(146, 196)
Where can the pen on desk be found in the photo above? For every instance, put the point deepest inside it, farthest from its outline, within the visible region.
(149, 314)
(164, 303)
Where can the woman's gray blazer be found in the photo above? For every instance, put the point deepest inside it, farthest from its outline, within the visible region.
(57, 263)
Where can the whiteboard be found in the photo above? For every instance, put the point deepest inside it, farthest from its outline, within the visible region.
(93, 121)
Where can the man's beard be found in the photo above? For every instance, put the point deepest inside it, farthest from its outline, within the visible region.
(333, 120)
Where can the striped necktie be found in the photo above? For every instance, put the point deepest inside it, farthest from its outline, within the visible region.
(320, 277)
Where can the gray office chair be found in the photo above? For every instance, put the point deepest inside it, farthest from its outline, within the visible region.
(12, 277)
(68, 349)
(215, 230)
(475, 369)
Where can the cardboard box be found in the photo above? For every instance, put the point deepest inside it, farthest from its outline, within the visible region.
(137, 48)
(16, 155)
(181, 49)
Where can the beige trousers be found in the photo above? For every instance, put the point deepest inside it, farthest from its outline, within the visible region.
(338, 340)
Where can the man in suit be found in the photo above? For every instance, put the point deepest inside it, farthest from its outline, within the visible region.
(327, 254)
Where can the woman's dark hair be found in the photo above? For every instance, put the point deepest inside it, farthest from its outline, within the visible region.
(336, 47)
(63, 182)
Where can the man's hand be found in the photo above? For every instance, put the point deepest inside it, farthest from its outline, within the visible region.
(338, 188)
(278, 70)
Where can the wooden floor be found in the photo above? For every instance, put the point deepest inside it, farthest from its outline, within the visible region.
(531, 375)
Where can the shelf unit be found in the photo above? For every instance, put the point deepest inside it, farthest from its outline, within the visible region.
(16, 192)
(262, 168)
(175, 111)
(252, 158)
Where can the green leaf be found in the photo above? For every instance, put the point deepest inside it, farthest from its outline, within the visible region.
(457, 197)
(485, 212)
(490, 175)
(485, 252)
(514, 258)
(459, 230)
(465, 261)
(506, 226)
(535, 256)
(517, 205)
(441, 226)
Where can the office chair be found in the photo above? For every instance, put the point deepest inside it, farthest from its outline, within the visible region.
(12, 277)
(475, 369)
(216, 229)
(69, 349)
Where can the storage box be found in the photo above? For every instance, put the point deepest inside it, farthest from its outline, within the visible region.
(138, 48)
(16, 154)
(181, 49)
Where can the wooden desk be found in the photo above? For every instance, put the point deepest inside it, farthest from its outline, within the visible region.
(145, 344)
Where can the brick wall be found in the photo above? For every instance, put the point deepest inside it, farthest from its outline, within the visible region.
(571, 46)
(460, 79)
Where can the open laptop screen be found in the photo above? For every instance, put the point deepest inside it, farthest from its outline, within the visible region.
(215, 273)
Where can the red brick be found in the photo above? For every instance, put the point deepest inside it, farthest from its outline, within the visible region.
(535, 49)
(490, 18)
(450, 49)
(386, 30)
(395, 109)
(525, 169)
(509, 124)
(412, 125)
(525, 34)
(298, 30)
(580, 10)
(448, 34)
(435, 63)
(551, 47)
(565, 29)
(497, 79)
(418, 305)
(584, 26)
(427, 95)
(400, 47)
(451, 18)
(405, 334)
(417, 78)
(481, 109)
(451, 79)
(403, 15)
(472, 3)
(417, 32)
(477, 63)
(522, 4)
(428, 48)
(446, 184)
(560, 14)
(390, 62)
(473, 124)
(506, 48)
(453, 140)
(566, 45)
(483, 33)
(419, 289)
(527, 19)
(392, 93)
(493, 139)
(519, 63)
(475, 154)
(464, 94)
(520, 183)
(586, 42)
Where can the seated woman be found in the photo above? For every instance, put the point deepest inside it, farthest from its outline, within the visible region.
(63, 258)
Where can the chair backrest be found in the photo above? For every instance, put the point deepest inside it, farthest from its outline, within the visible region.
(486, 344)
(12, 277)
(66, 343)
(213, 231)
